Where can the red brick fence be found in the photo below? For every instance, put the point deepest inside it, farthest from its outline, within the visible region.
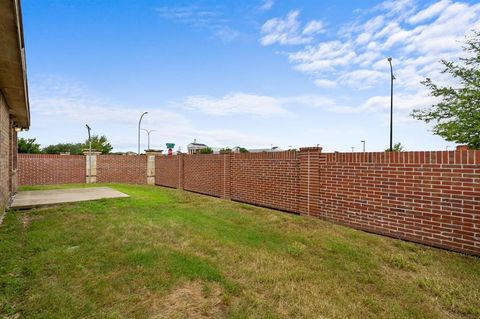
(426, 197)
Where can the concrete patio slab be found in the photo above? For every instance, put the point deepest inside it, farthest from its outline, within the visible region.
(30, 199)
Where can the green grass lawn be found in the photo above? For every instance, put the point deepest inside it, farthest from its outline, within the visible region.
(164, 253)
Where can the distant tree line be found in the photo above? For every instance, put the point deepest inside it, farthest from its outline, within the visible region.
(99, 143)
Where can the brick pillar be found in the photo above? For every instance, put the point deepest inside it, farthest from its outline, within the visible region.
(151, 166)
(181, 161)
(226, 158)
(309, 181)
(91, 166)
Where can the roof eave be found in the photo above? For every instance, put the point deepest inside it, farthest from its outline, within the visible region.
(13, 75)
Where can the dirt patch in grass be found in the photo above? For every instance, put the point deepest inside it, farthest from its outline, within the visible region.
(193, 299)
(27, 218)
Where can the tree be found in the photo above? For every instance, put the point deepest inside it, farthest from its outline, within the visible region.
(397, 147)
(457, 115)
(225, 150)
(242, 150)
(28, 145)
(72, 148)
(99, 143)
(206, 150)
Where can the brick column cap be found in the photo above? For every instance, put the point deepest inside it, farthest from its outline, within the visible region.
(86, 152)
(153, 152)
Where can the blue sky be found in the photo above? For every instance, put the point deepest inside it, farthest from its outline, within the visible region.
(248, 73)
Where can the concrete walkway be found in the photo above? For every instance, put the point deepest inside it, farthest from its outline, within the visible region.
(30, 199)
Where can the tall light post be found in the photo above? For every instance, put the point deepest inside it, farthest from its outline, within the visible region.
(139, 123)
(363, 142)
(89, 152)
(392, 77)
(148, 133)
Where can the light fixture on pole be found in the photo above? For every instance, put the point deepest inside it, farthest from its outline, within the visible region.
(148, 133)
(363, 142)
(139, 123)
(392, 77)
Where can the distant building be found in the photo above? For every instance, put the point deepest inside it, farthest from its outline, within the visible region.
(195, 148)
(262, 150)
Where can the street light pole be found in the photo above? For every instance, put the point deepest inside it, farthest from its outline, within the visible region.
(139, 123)
(89, 153)
(148, 133)
(392, 77)
(363, 142)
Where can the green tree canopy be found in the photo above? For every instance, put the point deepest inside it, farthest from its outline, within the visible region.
(397, 147)
(225, 150)
(457, 114)
(99, 143)
(206, 150)
(73, 148)
(28, 145)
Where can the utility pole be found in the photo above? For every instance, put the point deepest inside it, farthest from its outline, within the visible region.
(363, 142)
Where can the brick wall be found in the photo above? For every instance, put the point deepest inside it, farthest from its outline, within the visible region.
(121, 169)
(168, 171)
(44, 169)
(266, 179)
(427, 197)
(203, 173)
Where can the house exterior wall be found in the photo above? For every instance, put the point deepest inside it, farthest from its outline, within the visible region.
(5, 153)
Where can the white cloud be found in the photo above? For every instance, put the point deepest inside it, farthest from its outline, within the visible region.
(429, 12)
(200, 18)
(266, 5)
(403, 103)
(324, 56)
(324, 83)
(288, 31)
(363, 78)
(253, 104)
(235, 103)
(225, 33)
(313, 27)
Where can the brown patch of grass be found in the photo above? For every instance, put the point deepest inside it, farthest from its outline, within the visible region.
(193, 299)
(27, 218)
